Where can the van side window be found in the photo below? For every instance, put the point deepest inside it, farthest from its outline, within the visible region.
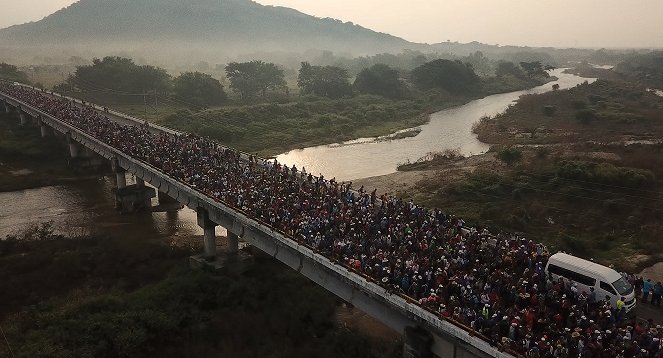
(608, 288)
(572, 275)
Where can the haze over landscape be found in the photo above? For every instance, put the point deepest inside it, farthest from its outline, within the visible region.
(568, 23)
(331, 178)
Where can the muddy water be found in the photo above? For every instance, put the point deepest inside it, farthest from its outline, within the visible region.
(447, 129)
(87, 207)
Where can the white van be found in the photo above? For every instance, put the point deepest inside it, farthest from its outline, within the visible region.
(606, 281)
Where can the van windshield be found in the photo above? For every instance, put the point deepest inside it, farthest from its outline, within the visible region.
(622, 286)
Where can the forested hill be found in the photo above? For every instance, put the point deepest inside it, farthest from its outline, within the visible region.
(231, 25)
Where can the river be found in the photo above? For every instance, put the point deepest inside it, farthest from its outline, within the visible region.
(87, 207)
(447, 129)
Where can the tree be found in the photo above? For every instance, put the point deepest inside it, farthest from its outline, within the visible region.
(199, 88)
(453, 76)
(506, 68)
(325, 81)
(479, 62)
(380, 79)
(12, 73)
(121, 75)
(534, 69)
(250, 78)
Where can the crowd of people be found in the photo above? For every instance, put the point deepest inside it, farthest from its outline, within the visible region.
(492, 283)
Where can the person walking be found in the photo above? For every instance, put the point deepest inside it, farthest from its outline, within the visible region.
(646, 287)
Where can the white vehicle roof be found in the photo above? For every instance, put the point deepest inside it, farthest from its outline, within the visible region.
(609, 275)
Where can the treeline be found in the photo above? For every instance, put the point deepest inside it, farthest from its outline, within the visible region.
(122, 77)
(12, 73)
(259, 80)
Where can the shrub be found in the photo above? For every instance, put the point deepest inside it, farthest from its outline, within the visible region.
(585, 116)
(510, 155)
(549, 111)
(578, 104)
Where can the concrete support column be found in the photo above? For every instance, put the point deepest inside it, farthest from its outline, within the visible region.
(24, 119)
(121, 179)
(45, 130)
(73, 149)
(6, 105)
(233, 243)
(209, 237)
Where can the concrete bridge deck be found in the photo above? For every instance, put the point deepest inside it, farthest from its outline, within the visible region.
(396, 311)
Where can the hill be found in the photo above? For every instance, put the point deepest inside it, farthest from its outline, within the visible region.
(207, 27)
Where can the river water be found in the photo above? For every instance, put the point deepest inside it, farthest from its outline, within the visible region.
(447, 129)
(88, 207)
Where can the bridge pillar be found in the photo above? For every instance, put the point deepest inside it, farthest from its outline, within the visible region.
(209, 237)
(121, 179)
(417, 343)
(6, 105)
(74, 148)
(130, 198)
(233, 243)
(45, 130)
(167, 203)
(23, 116)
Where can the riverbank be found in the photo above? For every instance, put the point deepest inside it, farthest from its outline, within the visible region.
(273, 128)
(592, 189)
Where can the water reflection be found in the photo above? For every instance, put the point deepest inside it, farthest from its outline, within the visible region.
(447, 129)
(87, 207)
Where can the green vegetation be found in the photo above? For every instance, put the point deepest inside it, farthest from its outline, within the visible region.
(605, 111)
(572, 176)
(12, 73)
(510, 155)
(452, 76)
(109, 297)
(589, 208)
(324, 81)
(255, 77)
(199, 88)
(380, 80)
(116, 79)
(274, 128)
(122, 75)
(432, 160)
(646, 68)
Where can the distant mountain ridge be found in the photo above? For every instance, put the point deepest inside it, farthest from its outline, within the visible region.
(227, 25)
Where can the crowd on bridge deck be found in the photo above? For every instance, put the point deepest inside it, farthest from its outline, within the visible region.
(495, 284)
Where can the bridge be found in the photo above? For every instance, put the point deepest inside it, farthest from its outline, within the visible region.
(425, 333)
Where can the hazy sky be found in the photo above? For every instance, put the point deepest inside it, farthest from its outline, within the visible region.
(567, 23)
